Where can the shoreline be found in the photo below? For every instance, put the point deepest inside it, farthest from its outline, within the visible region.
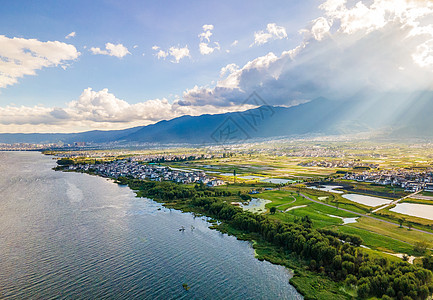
(262, 250)
(305, 252)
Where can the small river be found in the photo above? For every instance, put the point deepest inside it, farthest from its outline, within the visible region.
(70, 235)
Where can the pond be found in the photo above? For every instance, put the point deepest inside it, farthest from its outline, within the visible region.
(278, 180)
(366, 200)
(327, 188)
(416, 210)
(256, 205)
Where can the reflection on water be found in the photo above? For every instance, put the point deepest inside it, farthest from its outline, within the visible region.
(69, 235)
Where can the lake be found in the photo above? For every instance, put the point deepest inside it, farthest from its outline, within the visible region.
(70, 235)
(366, 200)
(413, 209)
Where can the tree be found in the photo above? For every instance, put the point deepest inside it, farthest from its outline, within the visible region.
(363, 290)
(427, 262)
(273, 210)
(401, 221)
(420, 247)
(65, 162)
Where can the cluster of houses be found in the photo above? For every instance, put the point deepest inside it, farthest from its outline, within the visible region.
(411, 181)
(315, 152)
(338, 164)
(123, 168)
(153, 157)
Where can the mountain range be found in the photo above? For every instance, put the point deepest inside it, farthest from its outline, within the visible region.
(393, 113)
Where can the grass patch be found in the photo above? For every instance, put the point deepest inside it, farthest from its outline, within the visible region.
(378, 242)
(393, 231)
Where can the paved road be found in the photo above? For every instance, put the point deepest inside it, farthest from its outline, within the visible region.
(396, 201)
(294, 200)
(364, 215)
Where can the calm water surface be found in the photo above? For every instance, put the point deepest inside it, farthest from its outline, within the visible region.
(367, 200)
(69, 235)
(414, 209)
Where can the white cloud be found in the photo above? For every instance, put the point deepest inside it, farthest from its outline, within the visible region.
(20, 57)
(94, 110)
(320, 28)
(179, 53)
(207, 33)
(230, 68)
(351, 52)
(204, 47)
(112, 50)
(272, 32)
(358, 52)
(161, 54)
(207, 27)
(71, 35)
(235, 43)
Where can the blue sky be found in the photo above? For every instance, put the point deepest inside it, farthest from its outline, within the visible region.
(129, 63)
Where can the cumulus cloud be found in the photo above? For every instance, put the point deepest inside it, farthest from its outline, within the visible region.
(177, 53)
(71, 35)
(20, 57)
(272, 32)
(204, 46)
(95, 110)
(207, 32)
(350, 52)
(112, 50)
(205, 49)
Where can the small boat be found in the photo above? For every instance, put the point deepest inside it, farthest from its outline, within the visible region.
(182, 228)
(186, 287)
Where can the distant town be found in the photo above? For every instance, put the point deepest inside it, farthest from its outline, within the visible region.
(411, 181)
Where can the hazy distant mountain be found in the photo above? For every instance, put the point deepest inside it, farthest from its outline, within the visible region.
(320, 116)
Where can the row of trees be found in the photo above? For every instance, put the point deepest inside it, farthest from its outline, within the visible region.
(335, 254)
(169, 191)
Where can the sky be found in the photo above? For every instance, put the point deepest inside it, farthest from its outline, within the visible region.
(71, 66)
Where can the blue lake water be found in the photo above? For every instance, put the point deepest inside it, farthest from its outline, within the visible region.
(69, 235)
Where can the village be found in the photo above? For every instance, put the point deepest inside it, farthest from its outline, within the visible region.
(338, 164)
(411, 181)
(135, 169)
